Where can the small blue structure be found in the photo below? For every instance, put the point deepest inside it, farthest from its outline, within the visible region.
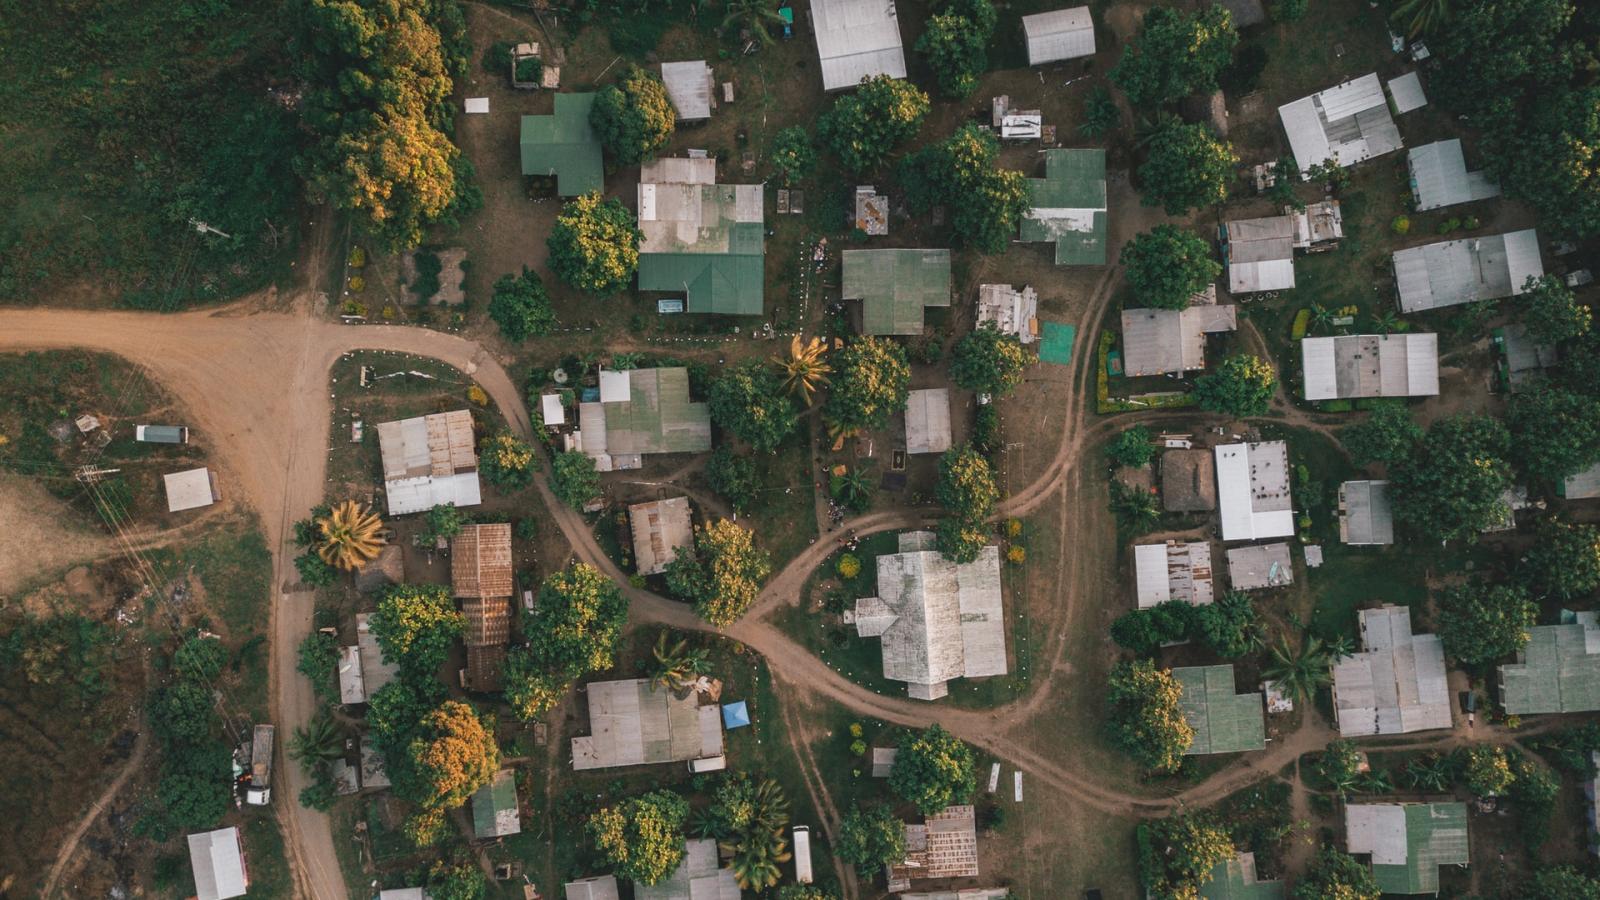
(735, 715)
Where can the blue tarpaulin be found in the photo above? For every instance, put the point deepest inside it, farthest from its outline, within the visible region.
(735, 715)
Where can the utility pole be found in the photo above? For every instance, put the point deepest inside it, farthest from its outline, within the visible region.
(203, 228)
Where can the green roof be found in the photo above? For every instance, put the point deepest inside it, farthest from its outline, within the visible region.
(705, 240)
(565, 146)
(1223, 722)
(895, 285)
(1068, 206)
(1559, 671)
(494, 807)
(1235, 879)
(658, 417)
(1436, 835)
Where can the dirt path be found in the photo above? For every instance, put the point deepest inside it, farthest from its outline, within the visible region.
(69, 847)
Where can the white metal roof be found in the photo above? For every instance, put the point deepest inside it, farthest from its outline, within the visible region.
(1397, 683)
(1349, 122)
(352, 687)
(218, 864)
(1448, 273)
(1378, 829)
(615, 386)
(1439, 176)
(1371, 365)
(1407, 92)
(551, 410)
(1582, 486)
(595, 887)
(689, 87)
(190, 490)
(1260, 254)
(424, 492)
(1365, 515)
(375, 670)
(1059, 34)
(1172, 571)
(1253, 491)
(632, 722)
(928, 421)
(857, 39)
(477, 105)
(1150, 575)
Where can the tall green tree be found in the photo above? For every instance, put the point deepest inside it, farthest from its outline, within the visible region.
(1564, 560)
(641, 838)
(1452, 486)
(956, 43)
(733, 476)
(505, 461)
(594, 245)
(415, 626)
(1177, 854)
(1186, 167)
(575, 626)
(933, 769)
(1133, 447)
(871, 382)
(1101, 115)
(450, 756)
(1388, 435)
(573, 478)
(1175, 54)
(750, 402)
(1340, 766)
(1486, 770)
(963, 174)
(793, 156)
(1168, 265)
(442, 521)
(1243, 385)
(1534, 792)
(521, 307)
(966, 485)
(1300, 671)
(864, 127)
(1229, 626)
(1336, 875)
(531, 689)
(200, 658)
(989, 362)
(1144, 717)
(459, 879)
(1562, 883)
(1558, 432)
(634, 117)
(724, 575)
(1480, 623)
(1552, 314)
(870, 838)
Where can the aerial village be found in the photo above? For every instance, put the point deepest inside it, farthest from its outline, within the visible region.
(804, 450)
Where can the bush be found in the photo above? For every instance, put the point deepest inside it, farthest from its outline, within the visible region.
(848, 566)
(521, 307)
(506, 461)
(633, 118)
(1302, 319)
(574, 479)
(428, 266)
(1400, 224)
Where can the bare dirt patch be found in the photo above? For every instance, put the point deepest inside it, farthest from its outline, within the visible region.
(42, 535)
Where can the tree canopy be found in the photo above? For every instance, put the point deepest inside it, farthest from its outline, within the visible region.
(989, 362)
(1143, 715)
(594, 245)
(1481, 623)
(451, 755)
(933, 769)
(792, 155)
(641, 837)
(1336, 875)
(966, 485)
(1242, 386)
(573, 478)
(1177, 854)
(634, 117)
(200, 658)
(415, 625)
(1564, 560)
(963, 173)
(1175, 54)
(1168, 265)
(521, 307)
(749, 401)
(733, 477)
(1558, 431)
(724, 575)
(865, 126)
(956, 44)
(576, 623)
(1388, 435)
(506, 461)
(871, 382)
(1452, 485)
(1486, 770)
(1132, 447)
(1186, 168)
(1562, 883)
(869, 838)
(1552, 314)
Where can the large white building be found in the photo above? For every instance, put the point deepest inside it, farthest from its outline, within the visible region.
(1370, 365)
(429, 461)
(1253, 491)
(1345, 124)
(857, 39)
(1449, 273)
(1174, 570)
(1059, 34)
(1396, 684)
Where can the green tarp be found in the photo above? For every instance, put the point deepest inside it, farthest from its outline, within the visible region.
(1055, 343)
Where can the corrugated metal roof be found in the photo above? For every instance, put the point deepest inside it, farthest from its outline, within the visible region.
(1370, 365)
(632, 722)
(1407, 92)
(1059, 34)
(1161, 341)
(352, 688)
(1174, 570)
(703, 239)
(494, 807)
(1349, 122)
(1439, 176)
(595, 887)
(1558, 671)
(375, 670)
(1396, 684)
(1223, 722)
(1260, 566)
(928, 421)
(657, 417)
(564, 145)
(1260, 254)
(1068, 206)
(218, 865)
(1583, 485)
(857, 39)
(1408, 842)
(1253, 490)
(551, 410)
(1010, 311)
(1449, 273)
(1235, 879)
(696, 878)
(895, 285)
(480, 561)
(661, 531)
(190, 490)
(1365, 516)
(689, 87)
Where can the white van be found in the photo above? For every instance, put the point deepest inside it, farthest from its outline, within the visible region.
(802, 854)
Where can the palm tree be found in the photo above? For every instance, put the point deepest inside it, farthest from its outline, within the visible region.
(319, 740)
(757, 856)
(1135, 510)
(855, 488)
(705, 823)
(1299, 673)
(677, 666)
(1321, 318)
(348, 536)
(1386, 321)
(804, 369)
(1147, 128)
(1341, 647)
(1421, 16)
(1375, 781)
(1429, 773)
(754, 17)
(771, 806)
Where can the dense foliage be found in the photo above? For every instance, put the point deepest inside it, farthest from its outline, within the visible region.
(1486, 770)
(1186, 167)
(865, 126)
(733, 476)
(724, 575)
(1243, 385)
(1564, 560)
(750, 402)
(573, 630)
(1558, 432)
(1552, 314)
(1168, 265)
(955, 44)
(573, 478)
(1452, 484)
(1133, 447)
(415, 625)
(1177, 854)
(1386, 436)
(594, 245)
(988, 362)
(963, 174)
(871, 382)
(1143, 716)
(869, 838)
(506, 461)
(792, 155)
(1229, 626)
(521, 307)
(199, 658)
(967, 491)
(451, 754)
(1175, 54)
(933, 769)
(641, 838)
(634, 117)
(1562, 883)
(1336, 875)
(1480, 623)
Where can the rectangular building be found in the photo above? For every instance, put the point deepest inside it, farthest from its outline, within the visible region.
(1365, 516)
(1370, 365)
(1260, 254)
(1175, 570)
(429, 461)
(218, 864)
(641, 411)
(856, 39)
(894, 287)
(689, 88)
(632, 722)
(1557, 671)
(1171, 341)
(661, 532)
(1253, 491)
(704, 239)
(1260, 566)
(1067, 207)
(1449, 273)
(1010, 311)
(564, 146)
(1396, 684)
(928, 421)
(1345, 124)
(1439, 176)
(1223, 721)
(1408, 842)
(1058, 35)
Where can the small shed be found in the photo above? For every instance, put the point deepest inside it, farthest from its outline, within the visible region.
(735, 715)
(352, 687)
(477, 106)
(494, 807)
(1260, 566)
(346, 778)
(1406, 92)
(595, 887)
(191, 490)
(883, 761)
(218, 864)
(928, 421)
(661, 530)
(1365, 516)
(552, 410)
(1009, 310)
(1059, 35)
(872, 211)
(689, 85)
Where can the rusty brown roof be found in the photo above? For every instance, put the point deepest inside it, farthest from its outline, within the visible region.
(480, 564)
(483, 668)
(488, 621)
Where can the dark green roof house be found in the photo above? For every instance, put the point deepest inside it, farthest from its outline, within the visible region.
(1557, 671)
(563, 145)
(1235, 879)
(701, 238)
(1223, 722)
(894, 286)
(494, 807)
(1067, 206)
(1408, 842)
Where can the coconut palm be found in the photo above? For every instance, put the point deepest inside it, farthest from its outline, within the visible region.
(754, 17)
(1299, 672)
(757, 856)
(1421, 16)
(1429, 773)
(1136, 511)
(1321, 318)
(318, 741)
(677, 666)
(771, 807)
(854, 488)
(1375, 781)
(347, 537)
(804, 369)
(1386, 321)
